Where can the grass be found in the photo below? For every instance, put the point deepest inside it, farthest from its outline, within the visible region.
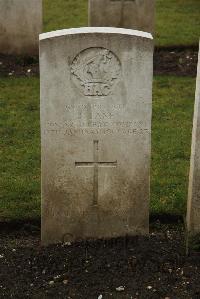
(20, 146)
(171, 143)
(59, 14)
(177, 21)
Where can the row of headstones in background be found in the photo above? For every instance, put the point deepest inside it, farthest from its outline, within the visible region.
(21, 20)
(20, 26)
(131, 14)
(96, 105)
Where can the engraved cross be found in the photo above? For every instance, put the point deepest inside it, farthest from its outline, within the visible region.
(96, 164)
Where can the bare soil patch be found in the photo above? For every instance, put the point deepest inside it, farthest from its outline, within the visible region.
(178, 62)
(143, 267)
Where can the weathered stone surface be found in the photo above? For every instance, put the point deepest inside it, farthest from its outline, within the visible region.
(193, 212)
(133, 14)
(96, 102)
(20, 26)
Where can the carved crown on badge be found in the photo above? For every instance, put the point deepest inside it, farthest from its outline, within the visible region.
(95, 71)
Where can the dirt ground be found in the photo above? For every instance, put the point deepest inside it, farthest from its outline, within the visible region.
(179, 62)
(139, 268)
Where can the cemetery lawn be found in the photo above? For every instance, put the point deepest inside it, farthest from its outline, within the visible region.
(173, 99)
(177, 21)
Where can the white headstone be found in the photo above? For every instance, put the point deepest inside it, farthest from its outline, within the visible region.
(96, 103)
(193, 211)
(133, 14)
(20, 26)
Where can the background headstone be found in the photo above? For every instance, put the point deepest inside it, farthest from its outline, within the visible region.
(96, 103)
(20, 26)
(193, 212)
(133, 14)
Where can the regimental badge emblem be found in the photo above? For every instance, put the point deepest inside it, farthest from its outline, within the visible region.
(95, 71)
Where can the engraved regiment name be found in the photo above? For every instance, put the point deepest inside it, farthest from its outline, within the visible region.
(95, 71)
